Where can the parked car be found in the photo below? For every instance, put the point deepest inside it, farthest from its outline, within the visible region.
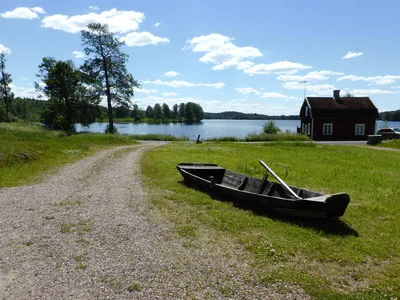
(389, 133)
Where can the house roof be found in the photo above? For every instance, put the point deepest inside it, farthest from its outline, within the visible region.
(343, 103)
(344, 107)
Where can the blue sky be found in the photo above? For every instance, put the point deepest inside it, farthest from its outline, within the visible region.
(250, 56)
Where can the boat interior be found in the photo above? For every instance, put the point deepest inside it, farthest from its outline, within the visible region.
(219, 175)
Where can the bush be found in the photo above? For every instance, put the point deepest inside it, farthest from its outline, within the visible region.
(111, 129)
(271, 128)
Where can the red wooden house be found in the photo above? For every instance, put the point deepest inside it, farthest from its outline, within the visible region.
(338, 118)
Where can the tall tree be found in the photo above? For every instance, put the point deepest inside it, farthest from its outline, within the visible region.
(157, 112)
(107, 66)
(174, 113)
(5, 81)
(166, 111)
(149, 112)
(70, 100)
(181, 111)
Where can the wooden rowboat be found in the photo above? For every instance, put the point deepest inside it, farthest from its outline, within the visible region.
(270, 195)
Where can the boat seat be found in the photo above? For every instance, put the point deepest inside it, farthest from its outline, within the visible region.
(268, 188)
(263, 184)
(243, 184)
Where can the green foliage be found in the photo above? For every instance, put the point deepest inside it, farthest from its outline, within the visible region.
(352, 258)
(264, 137)
(27, 151)
(111, 129)
(390, 115)
(271, 128)
(106, 66)
(158, 137)
(5, 90)
(234, 115)
(70, 101)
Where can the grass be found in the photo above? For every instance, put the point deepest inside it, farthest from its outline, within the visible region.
(158, 137)
(390, 144)
(356, 257)
(27, 151)
(264, 137)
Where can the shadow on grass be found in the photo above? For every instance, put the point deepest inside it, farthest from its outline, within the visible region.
(328, 226)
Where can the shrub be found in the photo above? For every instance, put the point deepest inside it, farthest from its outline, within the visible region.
(271, 128)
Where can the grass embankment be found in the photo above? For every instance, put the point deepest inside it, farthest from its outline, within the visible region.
(264, 137)
(390, 144)
(26, 151)
(357, 257)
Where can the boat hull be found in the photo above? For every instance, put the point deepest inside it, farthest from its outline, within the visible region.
(271, 196)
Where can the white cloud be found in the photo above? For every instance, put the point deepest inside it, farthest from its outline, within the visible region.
(311, 76)
(275, 95)
(280, 67)
(379, 80)
(221, 52)
(352, 55)
(38, 10)
(169, 94)
(145, 91)
(119, 21)
(248, 90)
(78, 54)
(181, 83)
(368, 92)
(23, 13)
(157, 24)
(24, 92)
(318, 89)
(172, 74)
(139, 39)
(4, 49)
(93, 7)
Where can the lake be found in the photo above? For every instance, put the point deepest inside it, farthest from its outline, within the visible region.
(207, 128)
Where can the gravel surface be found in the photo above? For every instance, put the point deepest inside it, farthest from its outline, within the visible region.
(89, 232)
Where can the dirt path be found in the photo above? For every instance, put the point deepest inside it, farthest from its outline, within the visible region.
(86, 233)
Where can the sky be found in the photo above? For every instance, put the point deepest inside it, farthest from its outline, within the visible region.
(254, 56)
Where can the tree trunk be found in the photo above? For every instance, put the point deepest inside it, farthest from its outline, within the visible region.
(109, 106)
(5, 90)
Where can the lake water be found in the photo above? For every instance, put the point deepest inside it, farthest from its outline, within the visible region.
(207, 128)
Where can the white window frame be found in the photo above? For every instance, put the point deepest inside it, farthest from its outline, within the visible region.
(360, 129)
(327, 129)
(306, 111)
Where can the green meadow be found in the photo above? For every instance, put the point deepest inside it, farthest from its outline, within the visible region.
(355, 257)
(28, 152)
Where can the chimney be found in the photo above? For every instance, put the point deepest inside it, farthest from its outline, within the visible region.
(336, 94)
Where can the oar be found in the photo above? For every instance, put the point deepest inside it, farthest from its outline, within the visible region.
(280, 180)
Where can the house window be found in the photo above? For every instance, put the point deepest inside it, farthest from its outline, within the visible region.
(302, 128)
(360, 129)
(328, 129)
(309, 129)
(306, 111)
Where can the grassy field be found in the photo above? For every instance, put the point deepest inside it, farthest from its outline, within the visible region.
(27, 151)
(390, 144)
(356, 257)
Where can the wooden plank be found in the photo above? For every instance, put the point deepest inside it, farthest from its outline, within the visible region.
(280, 180)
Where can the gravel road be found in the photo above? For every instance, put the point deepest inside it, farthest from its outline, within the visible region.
(89, 232)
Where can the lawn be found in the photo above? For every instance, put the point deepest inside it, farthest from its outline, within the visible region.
(356, 257)
(390, 144)
(29, 151)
